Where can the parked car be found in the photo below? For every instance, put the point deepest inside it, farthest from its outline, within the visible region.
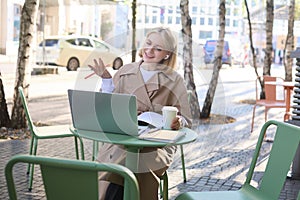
(77, 51)
(209, 50)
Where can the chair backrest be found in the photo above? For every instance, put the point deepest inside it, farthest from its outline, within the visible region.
(272, 92)
(286, 141)
(25, 106)
(70, 179)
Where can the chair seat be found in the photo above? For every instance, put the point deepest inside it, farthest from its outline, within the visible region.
(245, 193)
(53, 131)
(273, 104)
(274, 95)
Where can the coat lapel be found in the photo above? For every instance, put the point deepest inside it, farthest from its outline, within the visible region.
(136, 85)
(138, 88)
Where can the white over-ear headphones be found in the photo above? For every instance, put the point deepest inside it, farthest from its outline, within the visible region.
(166, 57)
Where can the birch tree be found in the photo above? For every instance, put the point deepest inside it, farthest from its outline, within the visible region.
(252, 50)
(188, 57)
(27, 31)
(289, 43)
(133, 23)
(4, 116)
(205, 113)
(250, 38)
(269, 37)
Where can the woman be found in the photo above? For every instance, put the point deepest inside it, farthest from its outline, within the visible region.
(155, 84)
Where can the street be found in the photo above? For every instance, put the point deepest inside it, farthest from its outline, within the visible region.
(48, 100)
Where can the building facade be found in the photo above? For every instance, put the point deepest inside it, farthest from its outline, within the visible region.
(113, 22)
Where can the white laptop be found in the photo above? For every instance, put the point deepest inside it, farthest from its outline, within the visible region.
(104, 112)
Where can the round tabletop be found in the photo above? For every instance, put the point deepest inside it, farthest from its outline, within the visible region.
(133, 141)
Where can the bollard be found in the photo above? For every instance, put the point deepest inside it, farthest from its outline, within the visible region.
(295, 172)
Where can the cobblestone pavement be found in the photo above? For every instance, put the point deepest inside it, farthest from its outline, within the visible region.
(218, 160)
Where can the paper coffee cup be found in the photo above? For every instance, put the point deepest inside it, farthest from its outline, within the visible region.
(169, 113)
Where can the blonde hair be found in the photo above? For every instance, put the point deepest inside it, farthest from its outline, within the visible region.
(169, 44)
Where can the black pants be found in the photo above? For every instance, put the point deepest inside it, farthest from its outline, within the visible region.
(114, 192)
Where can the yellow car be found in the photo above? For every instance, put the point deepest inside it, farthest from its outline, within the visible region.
(74, 51)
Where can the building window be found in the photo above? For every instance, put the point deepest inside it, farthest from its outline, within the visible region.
(162, 19)
(170, 20)
(194, 9)
(202, 11)
(178, 9)
(235, 12)
(235, 23)
(194, 20)
(228, 11)
(178, 20)
(227, 22)
(205, 34)
(170, 10)
(147, 19)
(202, 20)
(154, 19)
(210, 21)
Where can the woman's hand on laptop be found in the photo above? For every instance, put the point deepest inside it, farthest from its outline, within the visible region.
(100, 69)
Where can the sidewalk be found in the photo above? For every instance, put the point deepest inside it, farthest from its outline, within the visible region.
(7, 59)
(218, 160)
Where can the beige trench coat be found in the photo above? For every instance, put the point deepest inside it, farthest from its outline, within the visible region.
(165, 88)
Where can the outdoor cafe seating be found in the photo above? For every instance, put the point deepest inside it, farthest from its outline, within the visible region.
(286, 141)
(70, 179)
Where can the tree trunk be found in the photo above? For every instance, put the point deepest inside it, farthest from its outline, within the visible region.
(4, 116)
(217, 64)
(269, 36)
(133, 47)
(188, 57)
(289, 43)
(27, 31)
(250, 38)
(252, 49)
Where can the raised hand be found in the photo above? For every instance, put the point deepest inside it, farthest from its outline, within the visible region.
(98, 67)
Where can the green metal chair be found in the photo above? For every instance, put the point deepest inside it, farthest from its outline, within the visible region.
(164, 186)
(286, 141)
(164, 181)
(46, 132)
(71, 179)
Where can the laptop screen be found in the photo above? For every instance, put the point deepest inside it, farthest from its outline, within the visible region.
(104, 112)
